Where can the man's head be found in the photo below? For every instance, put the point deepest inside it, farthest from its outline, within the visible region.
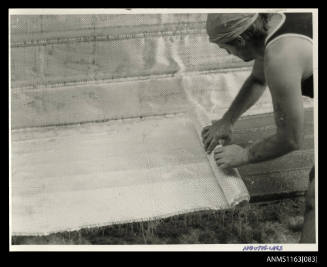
(240, 34)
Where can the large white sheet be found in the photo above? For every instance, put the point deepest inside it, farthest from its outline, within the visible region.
(100, 174)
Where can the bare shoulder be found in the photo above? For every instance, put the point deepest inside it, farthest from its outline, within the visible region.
(286, 62)
(289, 52)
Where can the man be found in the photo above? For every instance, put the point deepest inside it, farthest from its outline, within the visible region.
(281, 45)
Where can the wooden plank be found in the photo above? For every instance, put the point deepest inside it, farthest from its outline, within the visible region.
(262, 120)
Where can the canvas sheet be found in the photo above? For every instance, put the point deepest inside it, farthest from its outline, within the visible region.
(71, 177)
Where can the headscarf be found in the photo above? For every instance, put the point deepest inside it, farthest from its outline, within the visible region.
(225, 27)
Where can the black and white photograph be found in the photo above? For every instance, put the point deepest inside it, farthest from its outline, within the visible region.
(156, 129)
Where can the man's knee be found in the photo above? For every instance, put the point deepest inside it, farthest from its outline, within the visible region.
(308, 231)
(310, 196)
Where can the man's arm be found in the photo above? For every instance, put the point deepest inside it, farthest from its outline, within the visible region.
(249, 93)
(283, 73)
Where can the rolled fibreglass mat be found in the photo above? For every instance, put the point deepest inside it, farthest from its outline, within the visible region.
(229, 180)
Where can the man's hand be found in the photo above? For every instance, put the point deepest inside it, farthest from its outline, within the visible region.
(231, 156)
(212, 134)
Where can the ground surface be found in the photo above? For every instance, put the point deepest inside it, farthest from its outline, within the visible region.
(269, 222)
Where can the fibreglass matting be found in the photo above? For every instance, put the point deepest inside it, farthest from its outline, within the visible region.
(67, 178)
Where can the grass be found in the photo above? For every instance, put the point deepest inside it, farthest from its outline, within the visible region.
(271, 222)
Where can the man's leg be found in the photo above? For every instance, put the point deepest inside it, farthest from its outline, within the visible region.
(308, 230)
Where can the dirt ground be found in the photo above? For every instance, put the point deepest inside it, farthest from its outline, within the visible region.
(270, 222)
